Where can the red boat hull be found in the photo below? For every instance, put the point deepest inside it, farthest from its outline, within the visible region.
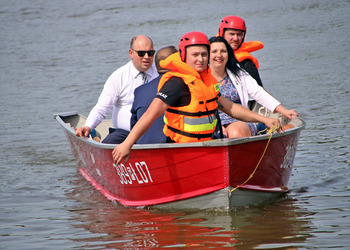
(157, 174)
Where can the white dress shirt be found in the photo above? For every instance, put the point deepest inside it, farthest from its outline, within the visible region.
(118, 94)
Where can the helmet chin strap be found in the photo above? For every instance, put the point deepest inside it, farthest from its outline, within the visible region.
(241, 43)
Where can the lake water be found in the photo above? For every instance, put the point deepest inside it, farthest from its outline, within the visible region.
(56, 55)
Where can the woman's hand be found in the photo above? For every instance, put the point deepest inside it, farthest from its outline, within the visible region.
(290, 113)
(274, 122)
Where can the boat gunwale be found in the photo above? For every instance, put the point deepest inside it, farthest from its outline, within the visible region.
(212, 143)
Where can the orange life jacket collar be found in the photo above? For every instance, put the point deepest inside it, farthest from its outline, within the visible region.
(243, 52)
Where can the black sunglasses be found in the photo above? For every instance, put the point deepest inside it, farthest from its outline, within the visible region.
(142, 53)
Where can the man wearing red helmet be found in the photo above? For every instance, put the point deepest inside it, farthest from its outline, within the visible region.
(233, 29)
(189, 96)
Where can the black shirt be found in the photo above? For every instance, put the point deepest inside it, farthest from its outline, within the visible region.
(175, 92)
(250, 67)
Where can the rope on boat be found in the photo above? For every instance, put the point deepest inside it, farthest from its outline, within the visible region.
(270, 131)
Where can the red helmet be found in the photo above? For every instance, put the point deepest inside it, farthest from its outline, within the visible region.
(192, 38)
(232, 22)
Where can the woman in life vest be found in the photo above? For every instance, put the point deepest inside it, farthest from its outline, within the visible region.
(233, 29)
(189, 96)
(237, 85)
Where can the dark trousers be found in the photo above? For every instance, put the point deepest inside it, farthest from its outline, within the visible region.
(115, 136)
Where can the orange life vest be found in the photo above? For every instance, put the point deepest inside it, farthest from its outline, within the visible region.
(196, 121)
(243, 52)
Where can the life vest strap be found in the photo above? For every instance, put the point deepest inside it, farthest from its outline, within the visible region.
(210, 100)
(200, 113)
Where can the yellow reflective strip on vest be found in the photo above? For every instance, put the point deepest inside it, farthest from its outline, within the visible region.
(199, 124)
(200, 128)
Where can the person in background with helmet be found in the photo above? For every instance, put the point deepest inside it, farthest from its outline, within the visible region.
(233, 29)
(237, 85)
(189, 95)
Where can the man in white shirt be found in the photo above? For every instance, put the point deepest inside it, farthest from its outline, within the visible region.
(118, 91)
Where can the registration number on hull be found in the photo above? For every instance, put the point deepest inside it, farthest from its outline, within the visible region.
(130, 174)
